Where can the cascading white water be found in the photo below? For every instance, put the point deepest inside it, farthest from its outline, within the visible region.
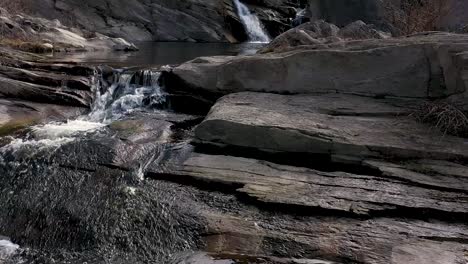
(252, 24)
(300, 13)
(124, 96)
(7, 248)
(128, 92)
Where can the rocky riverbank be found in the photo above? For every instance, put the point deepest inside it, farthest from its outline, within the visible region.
(304, 153)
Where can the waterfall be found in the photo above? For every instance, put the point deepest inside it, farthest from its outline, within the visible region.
(128, 92)
(252, 24)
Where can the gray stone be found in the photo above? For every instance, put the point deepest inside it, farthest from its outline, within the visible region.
(430, 173)
(311, 33)
(346, 240)
(291, 38)
(55, 36)
(320, 29)
(10, 88)
(285, 185)
(320, 34)
(361, 30)
(334, 125)
(430, 65)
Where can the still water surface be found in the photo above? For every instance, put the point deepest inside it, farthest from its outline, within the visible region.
(158, 53)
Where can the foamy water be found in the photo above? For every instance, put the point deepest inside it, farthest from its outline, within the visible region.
(120, 99)
(7, 248)
(123, 97)
(67, 129)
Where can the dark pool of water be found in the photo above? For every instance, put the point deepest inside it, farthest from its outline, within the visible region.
(158, 53)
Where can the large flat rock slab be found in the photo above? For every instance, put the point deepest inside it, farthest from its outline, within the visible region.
(337, 126)
(311, 189)
(334, 125)
(342, 240)
(421, 66)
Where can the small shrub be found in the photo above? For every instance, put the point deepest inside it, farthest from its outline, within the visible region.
(412, 16)
(14, 6)
(449, 118)
(26, 45)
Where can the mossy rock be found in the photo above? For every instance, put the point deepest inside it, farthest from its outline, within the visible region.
(127, 127)
(14, 125)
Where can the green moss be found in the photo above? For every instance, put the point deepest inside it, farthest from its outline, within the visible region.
(15, 125)
(127, 127)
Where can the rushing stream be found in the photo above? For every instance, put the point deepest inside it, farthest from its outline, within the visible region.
(76, 191)
(80, 180)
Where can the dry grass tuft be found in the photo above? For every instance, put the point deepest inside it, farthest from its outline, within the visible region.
(450, 119)
(25, 45)
(14, 6)
(412, 16)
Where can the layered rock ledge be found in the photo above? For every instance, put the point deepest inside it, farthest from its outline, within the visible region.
(361, 181)
(32, 91)
(364, 155)
(34, 34)
(325, 127)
